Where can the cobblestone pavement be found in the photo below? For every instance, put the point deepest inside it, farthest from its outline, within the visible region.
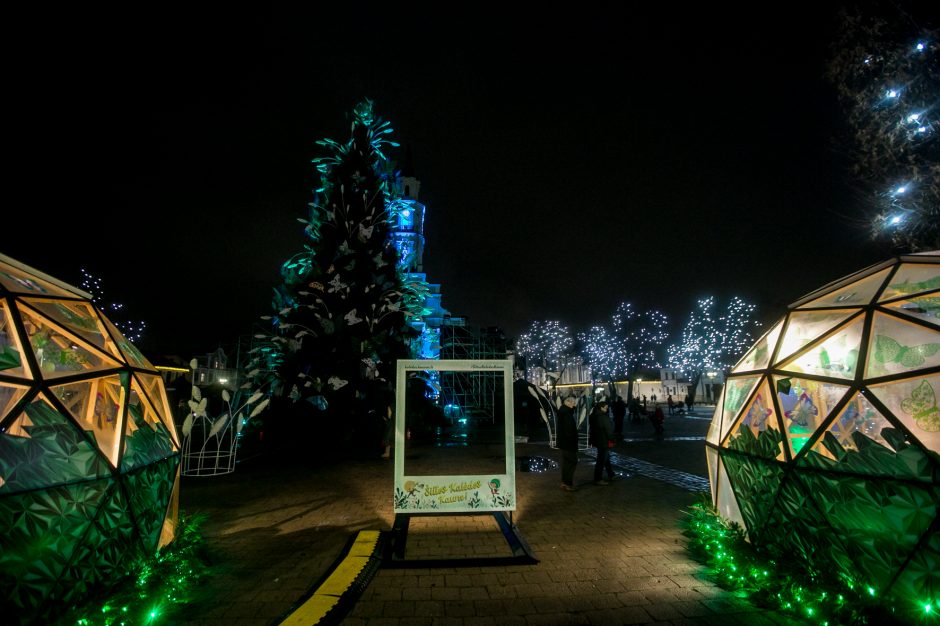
(607, 554)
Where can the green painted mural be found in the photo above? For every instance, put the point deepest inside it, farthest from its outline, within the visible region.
(826, 442)
(89, 454)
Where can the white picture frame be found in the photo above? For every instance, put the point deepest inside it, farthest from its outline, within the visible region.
(454, 493)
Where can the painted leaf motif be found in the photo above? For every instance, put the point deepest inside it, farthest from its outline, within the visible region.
(239, 423)
(225, 395)
(197, 393)
(193, 364)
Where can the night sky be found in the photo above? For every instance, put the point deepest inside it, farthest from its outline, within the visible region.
(569, 159)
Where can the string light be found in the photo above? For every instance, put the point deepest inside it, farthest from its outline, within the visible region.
(154, 589)
(790, 585)
(713, 342)
(890, 97)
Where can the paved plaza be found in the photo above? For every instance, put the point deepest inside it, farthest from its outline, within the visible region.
(607, 554)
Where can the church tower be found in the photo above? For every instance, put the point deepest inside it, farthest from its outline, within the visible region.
(407, 235)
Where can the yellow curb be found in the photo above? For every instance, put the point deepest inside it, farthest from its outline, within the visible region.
(337, 583)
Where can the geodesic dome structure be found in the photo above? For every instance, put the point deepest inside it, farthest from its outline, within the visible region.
(88, 450)
(825, 441)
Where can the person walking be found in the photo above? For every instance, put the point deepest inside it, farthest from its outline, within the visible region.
(601, 437)
(566, 438)
(672, 404)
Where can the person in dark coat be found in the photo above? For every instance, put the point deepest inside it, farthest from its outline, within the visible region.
(620, 411)
(566, 438)
(602, 433)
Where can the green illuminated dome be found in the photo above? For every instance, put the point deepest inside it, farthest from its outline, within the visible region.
(826, 441)
(88, 450)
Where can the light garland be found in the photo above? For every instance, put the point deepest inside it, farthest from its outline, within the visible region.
(789, 585)
(154, 589)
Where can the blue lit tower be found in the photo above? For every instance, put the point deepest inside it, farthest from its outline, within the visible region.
(407, 234)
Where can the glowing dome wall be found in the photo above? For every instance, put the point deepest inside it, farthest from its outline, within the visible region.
(88, 450)
(825, 442)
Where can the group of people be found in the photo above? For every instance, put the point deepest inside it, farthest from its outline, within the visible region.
(604, 434)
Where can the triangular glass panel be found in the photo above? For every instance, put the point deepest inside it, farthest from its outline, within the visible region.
(898, 346)
(725, 501)
(171, 521)
(836, 356)
(805, 327)
(736, 392)
(146, 438)
(912, 279)
(127, 349)
(757, 431)
(78, 317)
(714, 428)
(805, 405)
(711, 458)
(759, 356)
(859, 293)
(153, 387)
(926, 308)
(858, 419)
(58, 352)
(19, 427)
(42, 448)
(913, 401)
(10, 394)
(11, 351)
(17, 281)
(97, 405)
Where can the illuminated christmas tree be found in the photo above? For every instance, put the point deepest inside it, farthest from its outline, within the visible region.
(887, 74)
(343, 307)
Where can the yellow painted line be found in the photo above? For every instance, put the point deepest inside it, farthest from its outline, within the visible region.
(337, 583)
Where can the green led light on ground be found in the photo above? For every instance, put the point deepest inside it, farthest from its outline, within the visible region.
(779, 584)
(157, 578)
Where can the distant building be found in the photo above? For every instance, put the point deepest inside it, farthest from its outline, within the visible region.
(407, 235)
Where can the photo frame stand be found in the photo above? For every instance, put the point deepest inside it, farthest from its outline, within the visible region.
(394, 553)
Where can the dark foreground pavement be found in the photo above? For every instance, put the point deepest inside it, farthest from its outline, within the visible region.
(607, 554)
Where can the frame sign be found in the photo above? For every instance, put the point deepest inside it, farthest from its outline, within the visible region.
(457, 493)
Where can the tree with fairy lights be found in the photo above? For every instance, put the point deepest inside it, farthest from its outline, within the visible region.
(887, 74)
(628, 343)
(342, 309)
(133, 330)
(713, 340)
(544, 344)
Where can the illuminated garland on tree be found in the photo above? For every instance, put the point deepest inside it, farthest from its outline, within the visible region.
(628, 343)
(639, 337)
(712, 342)
(888, 76)
(133, 330)
(545, 344)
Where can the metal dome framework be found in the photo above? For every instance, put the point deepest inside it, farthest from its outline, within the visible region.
(89, 453)
(825, 441)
